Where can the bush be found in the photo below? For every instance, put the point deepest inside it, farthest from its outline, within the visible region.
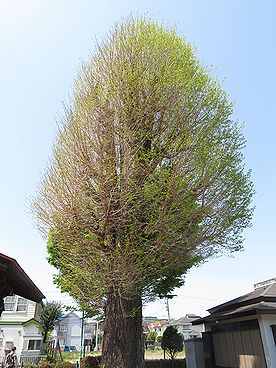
(90, 362)
(151, 336)
(172, 342)
(159, 339)
(65, 365)
(45, 364)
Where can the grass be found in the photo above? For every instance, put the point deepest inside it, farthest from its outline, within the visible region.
(157, 353)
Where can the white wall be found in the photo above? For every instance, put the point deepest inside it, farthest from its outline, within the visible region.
(265, 321)
(19, 335)
(15, 316)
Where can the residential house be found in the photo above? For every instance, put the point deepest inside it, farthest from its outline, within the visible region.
(148, 319)
(242, 331)
(20, 327)
(13, 280)
(19, 310)
(158, 326)
(185, 327)
(68, 331)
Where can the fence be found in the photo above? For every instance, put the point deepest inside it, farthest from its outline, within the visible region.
(165, 363)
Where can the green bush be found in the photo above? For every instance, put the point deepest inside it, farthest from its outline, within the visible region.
(172, 342)
(159, 339)
(151, 336)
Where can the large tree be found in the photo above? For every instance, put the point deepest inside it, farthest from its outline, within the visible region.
(146, 179)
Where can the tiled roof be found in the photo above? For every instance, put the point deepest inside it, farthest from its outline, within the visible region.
(266, 293)
(260, 301)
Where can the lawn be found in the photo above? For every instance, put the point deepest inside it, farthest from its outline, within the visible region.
(149, 354)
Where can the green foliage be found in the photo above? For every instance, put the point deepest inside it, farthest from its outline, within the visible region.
(159, 339)
(172, 342)
(50, 313)
(147, 176)
(151, 336)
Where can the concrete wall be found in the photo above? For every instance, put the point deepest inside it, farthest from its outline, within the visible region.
(194, 353)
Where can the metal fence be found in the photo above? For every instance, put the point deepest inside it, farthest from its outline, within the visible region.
(24, 360)
(29, 360)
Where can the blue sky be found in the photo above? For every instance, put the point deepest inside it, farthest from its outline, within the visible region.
(42, 43)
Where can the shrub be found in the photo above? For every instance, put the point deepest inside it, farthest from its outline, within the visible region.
(43, 363)
(151, 336)
(65, 365)
(159, 339)
(172, 342)
(90, 362)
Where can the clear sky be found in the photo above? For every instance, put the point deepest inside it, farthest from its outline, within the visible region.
(42, 43)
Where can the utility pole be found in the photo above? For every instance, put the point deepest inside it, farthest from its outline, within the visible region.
(168, 310)
(97, 334)
(82, 330)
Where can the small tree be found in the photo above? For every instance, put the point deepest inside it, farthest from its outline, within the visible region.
(172, 342)
(151, 336)
(51, 312)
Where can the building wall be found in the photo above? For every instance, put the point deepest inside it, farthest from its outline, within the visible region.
(13, 332)
(265, 322)
(19, 336)
(71, 336)
(238, 344)
(189, 331)
(32, 311)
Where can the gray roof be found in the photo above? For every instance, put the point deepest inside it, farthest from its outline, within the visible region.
(260, 301)
(266, 293)
(184, 320)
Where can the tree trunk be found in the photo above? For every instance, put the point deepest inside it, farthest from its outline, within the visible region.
(123, 345)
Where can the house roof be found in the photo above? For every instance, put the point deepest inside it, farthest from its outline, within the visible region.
(260, 301)
(21, 323)
(265, 293)
(18, 281)
(184, 320)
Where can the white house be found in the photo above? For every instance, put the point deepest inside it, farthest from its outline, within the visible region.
(68, 331)
(19, 327)
(185, 327)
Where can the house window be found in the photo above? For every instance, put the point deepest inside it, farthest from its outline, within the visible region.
(21, 305)
(63, 328)
(186, 327)
(9, 303)
(9, 345)
(34, 344)
(87, 329)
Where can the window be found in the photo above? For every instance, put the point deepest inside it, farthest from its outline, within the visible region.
(9, 303)
(9, 345)
(87, 329)
(186, 327)
(63, 328)
(21, 305)
(34, 344)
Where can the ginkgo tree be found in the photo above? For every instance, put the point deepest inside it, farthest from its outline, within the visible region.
(146, 179)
